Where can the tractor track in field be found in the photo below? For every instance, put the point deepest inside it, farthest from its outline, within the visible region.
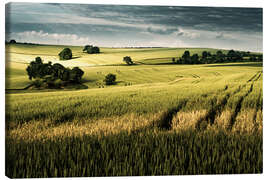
(165, 121)
(238, 108)
(196, 82)
(195, 76)
(217, 74)
(217, 109)
(232, 120)
(213, 112)
(258, 74)
(255, 113)
(258, 77)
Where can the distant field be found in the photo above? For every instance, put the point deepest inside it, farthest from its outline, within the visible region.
(159, 119)
(27, 53)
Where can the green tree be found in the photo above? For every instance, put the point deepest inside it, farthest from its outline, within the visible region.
(204, 54)
(220, 56)
(76, 74)
(91, 49)
(12, 41)
(65, 54)
(87, 47)
(179, 61)
(95, 49)
(110, 79)
(260, 57)
(128, 60)
(186, 57)
(195, 59)
(234, 56)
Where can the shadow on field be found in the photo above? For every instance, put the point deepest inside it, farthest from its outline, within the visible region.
(117, 82)
(257, 64)
(88, 80)
(75, 57)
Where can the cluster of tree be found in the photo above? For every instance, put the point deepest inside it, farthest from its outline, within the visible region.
(219, 57)
(128, 60)
(65, 54)
(91, 49)
(52, 75)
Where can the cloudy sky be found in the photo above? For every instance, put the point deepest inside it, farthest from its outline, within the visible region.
(119, 26)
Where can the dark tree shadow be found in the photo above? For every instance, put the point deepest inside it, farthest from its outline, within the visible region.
(117, 82)
(75, 57)
(244, 64)
(94, 53)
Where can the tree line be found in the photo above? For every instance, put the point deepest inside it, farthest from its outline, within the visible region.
(219, 57)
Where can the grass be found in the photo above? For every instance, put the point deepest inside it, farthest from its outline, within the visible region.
(26, 53)
(158, 119)
(136, 155)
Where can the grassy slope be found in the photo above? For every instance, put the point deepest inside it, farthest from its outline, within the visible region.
(150, 103)
(17, 57)
(26, 53)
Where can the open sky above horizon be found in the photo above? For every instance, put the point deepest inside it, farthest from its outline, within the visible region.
(129, 26)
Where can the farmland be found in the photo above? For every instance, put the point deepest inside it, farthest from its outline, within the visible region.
(158, 119)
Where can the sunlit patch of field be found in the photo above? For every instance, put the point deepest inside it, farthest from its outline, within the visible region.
(25, 53)
(157, 119)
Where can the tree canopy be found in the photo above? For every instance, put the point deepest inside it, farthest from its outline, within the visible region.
(12, 41)
(50, 73)
(91, 49)
(110, 79)
(65, 54)
(219, 57)
(128, 60)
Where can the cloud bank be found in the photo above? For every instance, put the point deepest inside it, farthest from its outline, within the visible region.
(115, 25)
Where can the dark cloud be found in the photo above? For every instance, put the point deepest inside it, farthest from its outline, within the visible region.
(216, 18)
(195, 26)
(164, 31)
(200, 18)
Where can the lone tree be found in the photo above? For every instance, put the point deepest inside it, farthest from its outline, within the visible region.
(110, 79)
(12, 41)
(65, 54)
(128, 60)
(91, 49)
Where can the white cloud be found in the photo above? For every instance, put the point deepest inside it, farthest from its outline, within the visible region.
(40, 36)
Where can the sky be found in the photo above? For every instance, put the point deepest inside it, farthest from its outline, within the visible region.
(135, 26)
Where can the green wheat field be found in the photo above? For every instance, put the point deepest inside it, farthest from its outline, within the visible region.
(158, 119)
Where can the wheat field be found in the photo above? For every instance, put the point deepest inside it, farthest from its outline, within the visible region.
(159, 119)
